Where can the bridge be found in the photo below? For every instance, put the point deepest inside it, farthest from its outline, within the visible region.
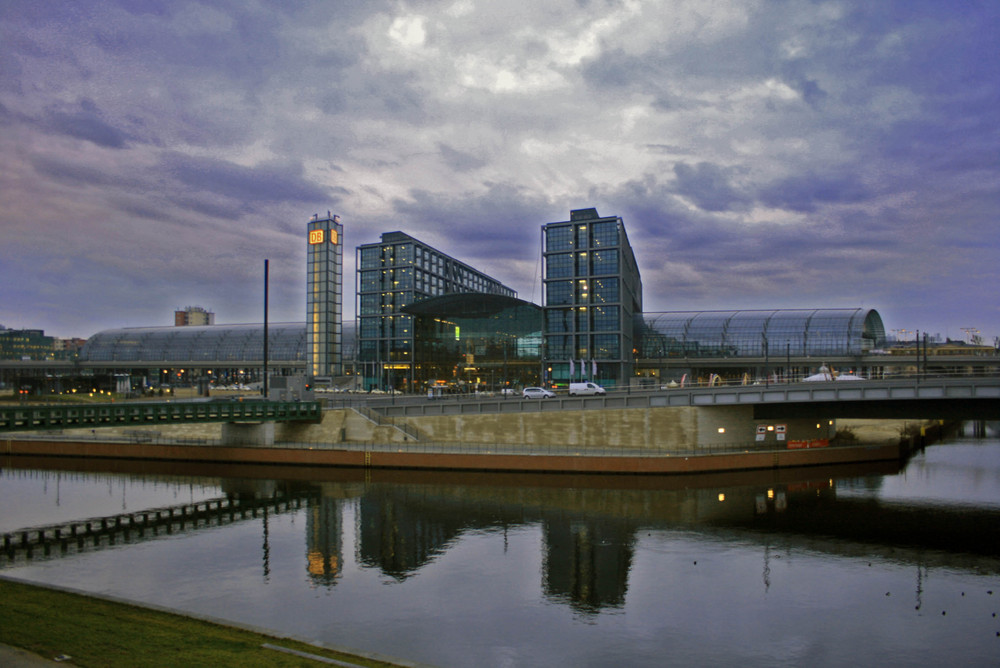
(73, 537)
(90, 416)
(956, 398)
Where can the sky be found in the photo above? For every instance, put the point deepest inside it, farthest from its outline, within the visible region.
(762, 154)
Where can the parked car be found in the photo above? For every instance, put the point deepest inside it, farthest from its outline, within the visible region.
(537, 393)
(585, 389)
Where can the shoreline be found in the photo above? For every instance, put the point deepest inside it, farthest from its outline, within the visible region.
(143, 619)
(445, 458)
(866, 441)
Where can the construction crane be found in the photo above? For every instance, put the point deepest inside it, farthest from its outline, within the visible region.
(972, 336)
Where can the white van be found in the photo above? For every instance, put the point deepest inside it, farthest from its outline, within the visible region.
(584, 389)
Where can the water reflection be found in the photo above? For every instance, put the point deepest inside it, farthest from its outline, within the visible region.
(589, 524)
(814, 566)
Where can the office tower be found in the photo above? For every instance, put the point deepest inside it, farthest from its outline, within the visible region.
(593, 296)
(394, 273)
(324, 296)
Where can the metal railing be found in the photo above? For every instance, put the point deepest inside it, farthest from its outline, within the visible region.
(77, 416)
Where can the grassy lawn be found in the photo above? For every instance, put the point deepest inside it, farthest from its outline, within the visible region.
(96, 632)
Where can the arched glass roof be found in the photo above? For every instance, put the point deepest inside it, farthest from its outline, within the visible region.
(211, 343)
(469, 305)
(754, 333)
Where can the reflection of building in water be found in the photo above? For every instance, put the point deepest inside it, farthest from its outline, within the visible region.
(587, 561)
(324, 551)
(398, 538)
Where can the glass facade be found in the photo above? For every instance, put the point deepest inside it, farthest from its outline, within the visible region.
(392, 275)
(592, 293)
(472, 340)
(730, 334)
(324, 295)
(236, 344)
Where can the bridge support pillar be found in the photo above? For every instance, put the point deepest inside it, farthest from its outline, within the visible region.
(248, 433)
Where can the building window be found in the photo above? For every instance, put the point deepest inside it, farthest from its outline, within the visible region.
(606, 346)
(559, 266)
(559, 238)
(604, 234)
(559, 320)
(369, 281)
(604, 290)
(604, 262)
(371, 258)
(559, 293)
(606, 319)
(559, 347)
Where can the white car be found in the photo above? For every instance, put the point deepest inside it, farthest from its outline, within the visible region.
(537, 393)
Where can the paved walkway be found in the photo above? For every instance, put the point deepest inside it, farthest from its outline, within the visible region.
(13, 657)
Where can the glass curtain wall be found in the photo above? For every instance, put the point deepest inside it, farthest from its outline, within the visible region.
(393, 274)
(813, 332)
(473, 342)
(592, 292)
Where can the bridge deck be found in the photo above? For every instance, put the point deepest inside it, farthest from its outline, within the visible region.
(30, 418)
(958, 398)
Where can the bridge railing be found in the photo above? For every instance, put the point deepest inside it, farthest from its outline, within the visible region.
(75, 416)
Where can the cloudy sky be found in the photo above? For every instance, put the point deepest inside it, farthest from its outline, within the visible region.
(762, 154)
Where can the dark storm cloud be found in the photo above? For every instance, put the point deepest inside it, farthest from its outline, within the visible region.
(72, 173)
(708, 186)
(488, 225)
(779, 153)
(265, 183)
(86, 123)
(460, 160)
(807, 192)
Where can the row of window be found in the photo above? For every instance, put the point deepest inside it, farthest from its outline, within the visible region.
(593, 319)
(375, 327)
(582, 291)
(584, 263)
(584, 346)
(414, 266)
(581, 236)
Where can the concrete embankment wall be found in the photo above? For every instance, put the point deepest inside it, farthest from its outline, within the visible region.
(402, 458)
(661, 429)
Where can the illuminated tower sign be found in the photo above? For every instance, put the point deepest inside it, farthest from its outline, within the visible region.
(324, 290)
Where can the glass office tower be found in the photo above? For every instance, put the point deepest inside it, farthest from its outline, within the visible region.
(324, 296)
(593, 298)
(394, 273)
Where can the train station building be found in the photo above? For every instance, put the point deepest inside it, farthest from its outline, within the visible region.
(427, 320)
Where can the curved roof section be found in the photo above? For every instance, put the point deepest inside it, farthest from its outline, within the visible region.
(756, 333)
(212, 343)
(466, 305)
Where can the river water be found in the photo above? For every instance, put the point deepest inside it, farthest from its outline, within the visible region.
(891, 564)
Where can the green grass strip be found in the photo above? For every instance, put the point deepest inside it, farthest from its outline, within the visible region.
(98, 632)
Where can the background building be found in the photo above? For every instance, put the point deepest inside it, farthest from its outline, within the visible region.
(25, 344)
(324, 296)
(193, 315)
(392, 274)
(593, 296)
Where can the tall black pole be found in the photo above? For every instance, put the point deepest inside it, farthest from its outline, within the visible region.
(265, 328)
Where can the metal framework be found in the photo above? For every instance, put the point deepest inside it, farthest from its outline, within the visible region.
(32, 418)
